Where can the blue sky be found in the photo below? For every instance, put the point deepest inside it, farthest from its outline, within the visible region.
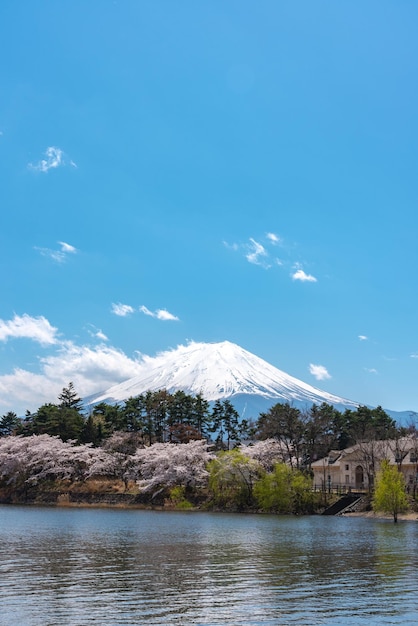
(241, 171)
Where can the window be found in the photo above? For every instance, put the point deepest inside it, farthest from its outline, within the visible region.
(347, 479)
(347, 467)
(413, 457)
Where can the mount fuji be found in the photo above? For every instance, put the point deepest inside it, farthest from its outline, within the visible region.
(220, 371)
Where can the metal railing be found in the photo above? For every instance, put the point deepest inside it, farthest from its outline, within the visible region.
(340, 489)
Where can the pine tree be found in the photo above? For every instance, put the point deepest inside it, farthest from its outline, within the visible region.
(69, 399)
(225, 422)
(8, 424)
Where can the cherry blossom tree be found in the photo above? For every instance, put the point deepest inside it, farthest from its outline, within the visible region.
(165, 465)
(29, 460)
(267, 453)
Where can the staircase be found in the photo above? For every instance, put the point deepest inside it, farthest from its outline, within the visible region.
(348, 503)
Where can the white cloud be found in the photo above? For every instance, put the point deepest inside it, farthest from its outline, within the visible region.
(275, 239)
(122, 310)
(159, 314)
(97, 332)
(363, 337)
(146, 311)
(67, 247)
(24, 326)
(90, 369)
(414, 355)
(259, 254)
(163, 314)
(22, 390)
(58, 255)
(303, 277)
(256, 253)
(371, 370)
(54, 157)
(319, 371)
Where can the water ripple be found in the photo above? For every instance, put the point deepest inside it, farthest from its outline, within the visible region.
(82, 567)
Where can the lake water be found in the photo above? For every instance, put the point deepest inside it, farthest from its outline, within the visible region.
(79, 567)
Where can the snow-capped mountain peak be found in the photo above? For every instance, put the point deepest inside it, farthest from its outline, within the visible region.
(218, 371)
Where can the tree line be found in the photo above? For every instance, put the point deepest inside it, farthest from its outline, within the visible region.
(164, 417)
(179, 448)
(155, 416)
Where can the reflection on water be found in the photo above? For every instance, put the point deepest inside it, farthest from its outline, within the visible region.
(111, 567)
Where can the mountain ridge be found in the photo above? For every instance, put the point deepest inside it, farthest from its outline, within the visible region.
(217, 371)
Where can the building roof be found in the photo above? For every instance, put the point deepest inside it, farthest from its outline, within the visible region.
(394, 450)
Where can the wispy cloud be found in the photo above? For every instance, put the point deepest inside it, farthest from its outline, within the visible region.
(261, 252)
(122, 310)
(414, 355)
(231, 246)
(67, 248)
(319, 372)
(256, 253)
(275, 239)
(371, 370)
(159, 314)
(24, 326)
(54, 157)
(301, 275)
(59, 255)
(363, 337)
(97, 333)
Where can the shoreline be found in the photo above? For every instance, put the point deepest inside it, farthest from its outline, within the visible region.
(410, 516)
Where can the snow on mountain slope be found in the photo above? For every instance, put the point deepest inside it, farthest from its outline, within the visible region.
(217, 371)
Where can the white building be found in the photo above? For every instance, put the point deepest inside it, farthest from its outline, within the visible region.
(355, 468)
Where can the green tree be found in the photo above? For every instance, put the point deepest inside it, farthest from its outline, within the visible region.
(389, 495)
(69, 399)
(303, 496)
(109, 418)
(51, 419)
(286, 424)
(9, 423)
(231, 478)
(225, 423)
(200, 415)
(321, 432)
(284, 490)
(132, 414)
(92, 431)
(273, 491)
(366, 424)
